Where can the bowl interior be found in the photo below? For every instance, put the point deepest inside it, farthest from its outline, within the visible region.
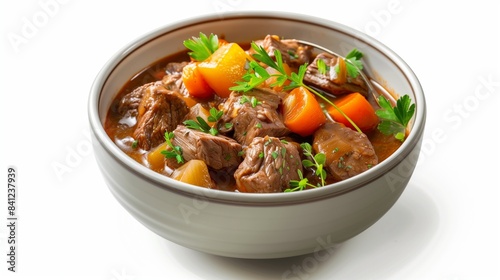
(380, 62)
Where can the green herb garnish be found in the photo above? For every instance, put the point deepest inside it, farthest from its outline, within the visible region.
(257, 74)
(175, 151)
(202, 47)
(253, 101)
(215, 115)
(201, 125)
(274, 154)
(299, 185)
(135, 144)
(316, 161)
(322, 67)
(254, 76)
(354, 64)
(394, 120)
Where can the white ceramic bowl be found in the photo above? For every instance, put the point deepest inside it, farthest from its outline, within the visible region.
(254, 225)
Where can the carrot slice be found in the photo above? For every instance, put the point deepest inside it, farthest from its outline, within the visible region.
(302, 112)
(224, 68)
(194, 81)
(357, 108)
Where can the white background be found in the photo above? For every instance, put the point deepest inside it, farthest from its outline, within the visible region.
(445, 225)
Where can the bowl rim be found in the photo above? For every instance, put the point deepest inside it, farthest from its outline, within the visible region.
(256, 199)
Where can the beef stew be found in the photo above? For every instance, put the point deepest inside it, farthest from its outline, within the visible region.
(246, 141)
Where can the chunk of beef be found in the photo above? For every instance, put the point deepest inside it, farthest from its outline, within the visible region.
(173, 78)
(268, 167)
(293, 53)
(175, 68)
(348, 152)
(160, 110)
(155, 107)
(328, 81)
(171, 81)
(129, 103)
(218, 152)
(253, 114)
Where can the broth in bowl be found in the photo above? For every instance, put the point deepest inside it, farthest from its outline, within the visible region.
(267, 116)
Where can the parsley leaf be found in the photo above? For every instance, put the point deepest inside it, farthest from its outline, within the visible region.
(175, 151)
(263, 56)
(198, 124)
(354, 64)
(316, 161)
(252, 100)
(201, 125)
(297, 78)
(215, 115)
(299, 185)
(135, 144)
(313, 161)
(322, 67)
(394, 120)
(255, 76)
(202, 47)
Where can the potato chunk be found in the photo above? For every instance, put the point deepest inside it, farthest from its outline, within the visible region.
(194, 172)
